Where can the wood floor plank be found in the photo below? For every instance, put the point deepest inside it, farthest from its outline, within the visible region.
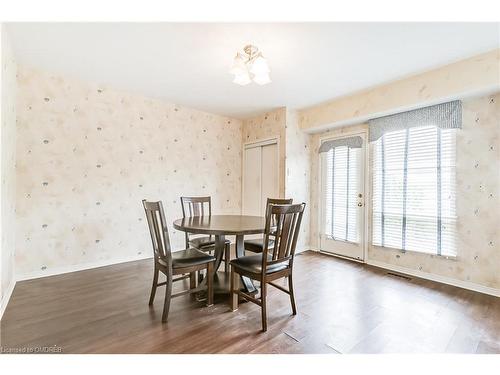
(343, 307)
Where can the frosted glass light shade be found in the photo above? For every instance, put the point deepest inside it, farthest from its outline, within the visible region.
(262, 79)
(259, 66)
(250, 66)
(239, 66)
(242, 79)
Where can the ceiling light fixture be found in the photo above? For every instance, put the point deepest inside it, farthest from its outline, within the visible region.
(250, 66)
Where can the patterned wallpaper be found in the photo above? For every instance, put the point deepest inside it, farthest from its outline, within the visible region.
(458, 79)
(294, 157)
(8, 155)
(478, 189)
(86, 157)
(298, 178)
(269, 125)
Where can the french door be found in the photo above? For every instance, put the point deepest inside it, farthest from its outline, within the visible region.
(343, 196)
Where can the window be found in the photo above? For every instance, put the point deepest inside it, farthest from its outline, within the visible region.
(340, 189)
(414, 190)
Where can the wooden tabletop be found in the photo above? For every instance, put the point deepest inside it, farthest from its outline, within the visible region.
(222, 224)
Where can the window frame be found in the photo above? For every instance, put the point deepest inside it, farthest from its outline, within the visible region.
(371, 172)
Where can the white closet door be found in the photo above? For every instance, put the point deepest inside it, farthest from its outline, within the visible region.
(270, 187)
(252, 181)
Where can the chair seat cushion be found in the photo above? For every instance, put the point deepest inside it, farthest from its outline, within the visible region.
(257, 244)
(204, 243)
(253, 264)
(190, 257)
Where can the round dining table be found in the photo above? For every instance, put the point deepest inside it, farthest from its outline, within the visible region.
(221, 226)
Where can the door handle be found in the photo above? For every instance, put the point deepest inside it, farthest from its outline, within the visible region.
(360, 204)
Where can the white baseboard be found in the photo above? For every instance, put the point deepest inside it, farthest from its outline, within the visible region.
(426, 275)
(341, 256)
(312, 248)
(408, 271)
(78, 267)
(86, 266)
(433, 277)
(305, 248)
(6, 297)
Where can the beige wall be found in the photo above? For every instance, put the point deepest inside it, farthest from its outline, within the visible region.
(294, 161)
(8, 182)
(269, 125)
(86, 157)
(478, 189)
(297, 166)
(83, 150)
(478, 74)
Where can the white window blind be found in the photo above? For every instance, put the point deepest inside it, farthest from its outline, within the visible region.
(340, 189)
(414, 190)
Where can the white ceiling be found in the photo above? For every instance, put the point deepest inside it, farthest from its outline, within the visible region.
(188, 64)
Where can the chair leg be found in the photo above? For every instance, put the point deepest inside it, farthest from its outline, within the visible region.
(168, 297)
(210, 287)
(154, 286)
(263, 292)
(233, 290)
(292, 297)
(227, 258)
(192, 283)
(192, 280)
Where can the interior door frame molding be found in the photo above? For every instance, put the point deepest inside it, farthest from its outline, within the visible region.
(366, 198)
(261, 142)
(253, 144)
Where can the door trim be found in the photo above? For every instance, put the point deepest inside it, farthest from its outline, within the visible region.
(252, 144)
(261, 142)
(367, 198)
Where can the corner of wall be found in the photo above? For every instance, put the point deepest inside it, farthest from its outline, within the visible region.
(8, 118)
(297, 170)
(6, 297)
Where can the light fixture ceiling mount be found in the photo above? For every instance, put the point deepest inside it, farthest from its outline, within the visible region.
(250, 66)
(250, 50)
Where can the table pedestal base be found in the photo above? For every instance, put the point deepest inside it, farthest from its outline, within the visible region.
(221, 285)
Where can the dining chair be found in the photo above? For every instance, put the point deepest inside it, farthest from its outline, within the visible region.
(256, 245)
(199, 206)
(275, 263)
(185, 262)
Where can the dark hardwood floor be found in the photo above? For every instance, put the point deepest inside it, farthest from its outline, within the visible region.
(343, 307)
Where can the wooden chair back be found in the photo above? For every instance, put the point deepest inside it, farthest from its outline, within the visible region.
(158, 231)
(195, 206)
(283, 223)
(271, 201)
